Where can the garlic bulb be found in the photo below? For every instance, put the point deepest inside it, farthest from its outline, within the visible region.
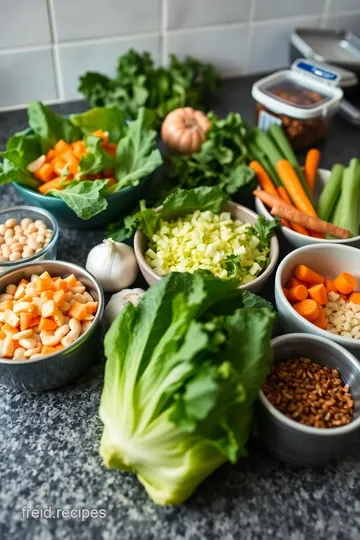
(118, 301)
(113, 264)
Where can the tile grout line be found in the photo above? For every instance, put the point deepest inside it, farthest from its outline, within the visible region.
(251, 33)
(55, 50)
(325, 14)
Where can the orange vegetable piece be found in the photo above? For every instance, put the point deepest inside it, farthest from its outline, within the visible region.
(298, 293)
(59, 297)
(7, 304)
(61, 147)
(321, 321)
(308, 309)
(78, 311)
(47, 324)
(108, 173)
(343, 296)
(71, 280)
(2, 335)
(293, 282)
(319, 294)
(79, 149)
(59, 317)
(35, 321)
(110, 148)
(50, 155)
(60, 284)
(345, 283)
(56, 183)
(286, 292)
(7, 329)
(304, 273)
(43, 284)
(45, 173)
(48, 309)
(23, 282)
(330, 285)
(47, 295)
(45, 275)
(91, 307)
(100, 133)
(50, 350)
(25, 320)
(59, 165)
(355, 297)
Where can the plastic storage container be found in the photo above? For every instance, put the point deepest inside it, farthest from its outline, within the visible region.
(302, 99)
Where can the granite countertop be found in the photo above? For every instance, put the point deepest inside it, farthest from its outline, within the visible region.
(49, 442)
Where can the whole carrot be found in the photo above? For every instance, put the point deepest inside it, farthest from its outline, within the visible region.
(294, 188)
(265, 182)
(295, 226)
(312, 161)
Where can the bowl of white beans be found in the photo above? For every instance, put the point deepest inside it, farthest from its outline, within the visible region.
(27, 234)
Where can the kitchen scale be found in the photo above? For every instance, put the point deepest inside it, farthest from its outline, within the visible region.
(334, 48)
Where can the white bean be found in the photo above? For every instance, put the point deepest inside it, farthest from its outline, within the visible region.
(25, 222)
(75, 326)
(40, 238)
(8, 347)
(29, 343)
(85, 325)
(24, 334)
(5, 251)
(33, 244)
(15, 246)
(19, 353)
(27, 253)
(9, 233)
(22, 240)
(15, 256)
(11, 289)
(34, 277)
(79, 298)
(78, 289)
(11, 222)
(30, 352)
(18, 229)
(2, 229)
(88, 297)
(69, 339)
(6, 296)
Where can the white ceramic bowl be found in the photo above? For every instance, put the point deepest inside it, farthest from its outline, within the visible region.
(296, 240)
(237, 212)
(328, 260)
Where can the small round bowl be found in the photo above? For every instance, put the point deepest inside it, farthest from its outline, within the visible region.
(66, 365)
(20, 212)
(291, 441)
(328, 260)
(295, 240)
(237, 212)
(118, 205)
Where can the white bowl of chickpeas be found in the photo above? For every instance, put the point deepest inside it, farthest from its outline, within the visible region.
(27, 234)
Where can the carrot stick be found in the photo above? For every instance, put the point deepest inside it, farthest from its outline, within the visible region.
(308, 309)
(293, 282)
(319, 294)
(311, 166)
(304, 273)
(285, 196)
(310, 222)
(294, 188)
(321, 321)
(345, 283)
(297, 294)
(265, 182)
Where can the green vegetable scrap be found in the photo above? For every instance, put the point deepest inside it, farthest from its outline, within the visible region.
(347, 210)
(140, 84)
(183, 370)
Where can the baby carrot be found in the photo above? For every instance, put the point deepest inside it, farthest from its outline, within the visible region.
(355, 297)
(311, 166)
(321, 321)
(345, 283)
(319, 294)
(298, 293)
(308, 309)
(304, 273)
(293, 282)
(330, 285)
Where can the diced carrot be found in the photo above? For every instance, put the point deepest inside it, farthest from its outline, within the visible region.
(308, 309)
(59, 317)
(42, 285)
(45, 173)
(25, 320)
(60, 284)
(73, 165)
(345, 283)
(71, 280)
(59, 165)
(321, 321)
(298, 293)
(355, 297)
(61, 147)
(50, 155)
(304, 273)
(49, 350)
(16, 344)
(91, 307)
(45, 275)
(319, 294)
(47, 295)
(78, 311)
(79, 149)
(286, 292)
(7, 304)
(293, 282)
(48, 309)
(330, 285)
(8, 329)
(56, 183)
(100, 133)
(47, 324)
(27, 299)
(35, 321)
(59, 297)
(2, 335)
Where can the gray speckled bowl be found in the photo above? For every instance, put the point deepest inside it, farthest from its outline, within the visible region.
(237, 212)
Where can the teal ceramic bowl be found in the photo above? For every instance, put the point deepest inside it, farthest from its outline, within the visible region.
(119, 204)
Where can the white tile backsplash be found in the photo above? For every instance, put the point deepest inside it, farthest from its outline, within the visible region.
(190, 14)
(20, 80)
(24, 23)
(100, 56)
(46, 44)
(89, 19)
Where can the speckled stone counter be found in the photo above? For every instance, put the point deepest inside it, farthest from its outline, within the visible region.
(49, 443)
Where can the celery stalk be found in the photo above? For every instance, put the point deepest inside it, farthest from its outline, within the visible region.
(266, 145)
(279, 138)
(347, 213)
(330, 193)
(262, 158)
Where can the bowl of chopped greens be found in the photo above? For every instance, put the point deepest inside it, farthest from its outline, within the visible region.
(200, 229)
(88, 169)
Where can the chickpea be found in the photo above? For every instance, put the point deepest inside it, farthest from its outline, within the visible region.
(2, 229)
(28, 252)
(15, 246)
(11, 223)
(33, 244)
(5, 251)
(40, 238)
(15, 256)
(1, 240)
(48, 233)
(9, 233)
(25, 222)
(22, 240)
(40, 224)
(18, 229)
(31, 228)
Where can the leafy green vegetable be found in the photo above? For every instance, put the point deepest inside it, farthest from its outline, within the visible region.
(140, 84)
(50, 127)
(183, 370)
(20, 150)
(84, 197)
(110, 119)
(265, 229)
(97, 159)
(221, 160)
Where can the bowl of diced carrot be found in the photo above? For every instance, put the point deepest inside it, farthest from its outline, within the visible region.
(50, 324)
(317, 291)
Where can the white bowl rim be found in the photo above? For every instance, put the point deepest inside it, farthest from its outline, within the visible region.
(274, 251)
(293, 234)
(342, 340)
(353, 425)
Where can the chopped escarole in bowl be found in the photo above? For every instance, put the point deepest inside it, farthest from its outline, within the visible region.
(88, 169)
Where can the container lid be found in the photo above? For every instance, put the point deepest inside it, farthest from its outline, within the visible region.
(307, 90)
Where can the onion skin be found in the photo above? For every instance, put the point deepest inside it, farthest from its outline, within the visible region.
(184, 130)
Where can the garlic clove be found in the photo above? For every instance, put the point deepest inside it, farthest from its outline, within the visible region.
(119, 300)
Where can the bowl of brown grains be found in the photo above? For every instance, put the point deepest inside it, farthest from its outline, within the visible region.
(309, 406)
